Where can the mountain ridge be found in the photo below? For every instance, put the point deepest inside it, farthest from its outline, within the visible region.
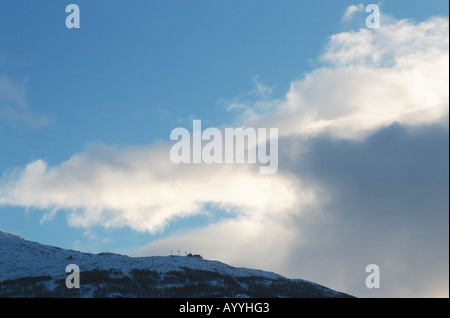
(31, 269)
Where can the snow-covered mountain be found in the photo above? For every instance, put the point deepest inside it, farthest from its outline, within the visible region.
(29, 269)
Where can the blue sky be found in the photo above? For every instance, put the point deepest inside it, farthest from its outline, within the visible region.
(110, 93)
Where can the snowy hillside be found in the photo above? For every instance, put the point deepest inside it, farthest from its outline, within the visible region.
(29, 269)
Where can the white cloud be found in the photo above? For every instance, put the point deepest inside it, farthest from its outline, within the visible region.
(351, 10)
(141, 188)
(396, 74)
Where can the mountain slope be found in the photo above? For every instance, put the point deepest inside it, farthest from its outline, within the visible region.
(29, 269)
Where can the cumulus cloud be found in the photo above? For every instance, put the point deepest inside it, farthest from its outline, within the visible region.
(371, 80)
(141, 188)
(14, 107)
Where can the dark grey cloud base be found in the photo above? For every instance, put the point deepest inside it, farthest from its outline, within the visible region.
(388, 202)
